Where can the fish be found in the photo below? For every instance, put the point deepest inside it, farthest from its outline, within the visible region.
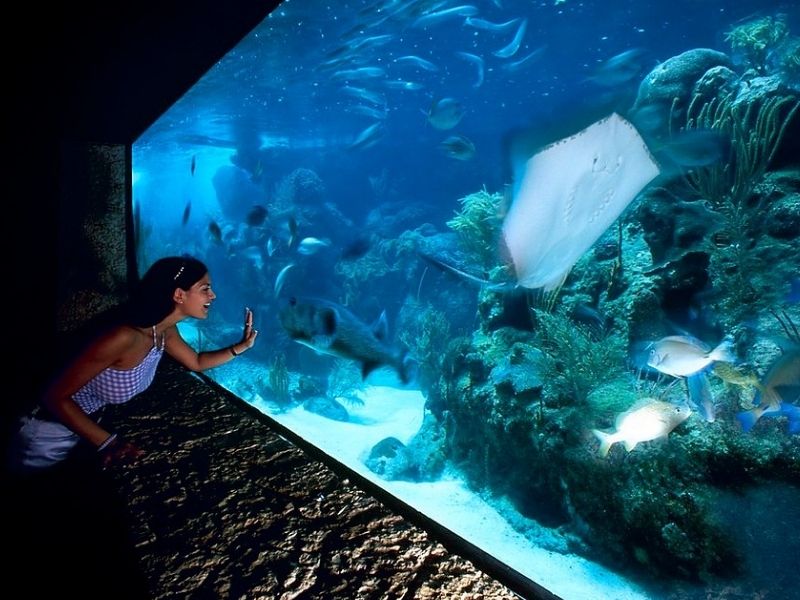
(281, 279)
(488, 25)
(458, 147)
(256, 216)
(790, 411)
(186, 212)
(447, 268)
(358, 74)
(434, 18)
(700, 396)
(417, 62)
(291, 223)
(513, 45)
(445, 113)
(194, 164)
(368, 137)
(311, 245)
(730, 374)
(271, 246)
(479, 65)
(525, 61)
(620, 68)
(329, 328)
(400, 84)
(364, 94)
(781, 386)
(647, 420)
(215, 232)
(681, 355)
(568, 194)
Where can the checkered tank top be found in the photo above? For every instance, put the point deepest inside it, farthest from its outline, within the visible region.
(116, 386)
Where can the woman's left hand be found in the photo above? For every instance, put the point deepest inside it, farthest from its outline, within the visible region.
(249, 334)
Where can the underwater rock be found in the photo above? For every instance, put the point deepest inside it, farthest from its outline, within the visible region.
(783, 218)
(521, 373)
(306, 186)
(717, 82)
(674, 79)
(326, 407)
(387, 448)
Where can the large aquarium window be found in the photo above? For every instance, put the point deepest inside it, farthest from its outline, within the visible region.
(531, 267)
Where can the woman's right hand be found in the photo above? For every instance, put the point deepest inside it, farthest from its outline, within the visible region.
(120, 451)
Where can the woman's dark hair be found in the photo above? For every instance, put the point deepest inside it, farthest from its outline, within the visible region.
(152, 299)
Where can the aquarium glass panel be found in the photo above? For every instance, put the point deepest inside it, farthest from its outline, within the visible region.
(531, 267)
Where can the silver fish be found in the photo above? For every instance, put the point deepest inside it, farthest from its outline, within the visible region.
(478, 62)
(417, 62)
(311, 245)
(649, 419)
(281, 278)
(680, 355)
(513, 46)
(445, 113)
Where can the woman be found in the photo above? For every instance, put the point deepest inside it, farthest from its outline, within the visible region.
(120, 363)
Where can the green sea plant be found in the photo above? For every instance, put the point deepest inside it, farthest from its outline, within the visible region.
(477, 225)
(343, 380)
(755, 130)
(575, 360)
(754, 39)
(425, 331)
(279, 379)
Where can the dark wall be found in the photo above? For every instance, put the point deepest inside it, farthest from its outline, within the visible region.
(77, 75)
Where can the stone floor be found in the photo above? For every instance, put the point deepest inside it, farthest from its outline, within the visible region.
(221, 506)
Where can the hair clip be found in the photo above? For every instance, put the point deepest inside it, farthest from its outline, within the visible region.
(178, 274)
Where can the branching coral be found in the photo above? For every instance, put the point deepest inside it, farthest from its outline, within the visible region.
(755, 130)
(754, 39)
(575, 360)
(279, 380)
(425, 331)
(343, 380)
(478, 224)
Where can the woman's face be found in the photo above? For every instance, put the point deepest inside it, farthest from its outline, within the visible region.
(198, 298)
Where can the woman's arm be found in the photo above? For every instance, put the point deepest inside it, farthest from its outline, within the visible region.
(178, 349)
(102, 353)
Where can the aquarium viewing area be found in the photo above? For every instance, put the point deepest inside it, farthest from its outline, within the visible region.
(527, 272)
(529, 268)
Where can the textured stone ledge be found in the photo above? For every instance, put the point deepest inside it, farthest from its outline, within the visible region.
(222, 506)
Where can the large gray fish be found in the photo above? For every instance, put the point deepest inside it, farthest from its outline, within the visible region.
(329, 328)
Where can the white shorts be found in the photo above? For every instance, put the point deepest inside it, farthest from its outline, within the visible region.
(40, 444)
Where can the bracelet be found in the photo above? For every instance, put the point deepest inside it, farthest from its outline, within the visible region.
(109, 440)
(234, 352)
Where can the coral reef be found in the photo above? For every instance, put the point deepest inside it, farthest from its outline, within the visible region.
(478, 225)
(279, 380)
(516, 399)
(301, 186)
(424, 331)
(752, 41)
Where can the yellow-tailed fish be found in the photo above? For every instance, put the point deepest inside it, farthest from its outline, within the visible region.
(780, 385)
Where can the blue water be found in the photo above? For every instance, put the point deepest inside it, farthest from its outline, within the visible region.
(287, 98)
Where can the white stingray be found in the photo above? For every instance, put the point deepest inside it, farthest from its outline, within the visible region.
(570, 193)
